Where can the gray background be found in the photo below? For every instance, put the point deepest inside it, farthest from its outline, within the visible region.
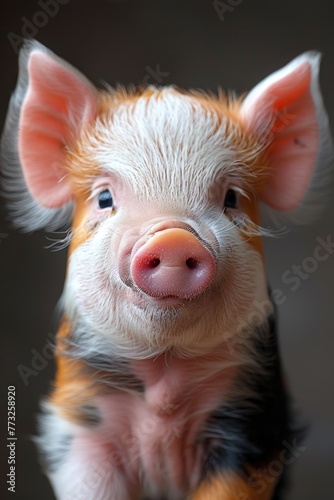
(124, 41)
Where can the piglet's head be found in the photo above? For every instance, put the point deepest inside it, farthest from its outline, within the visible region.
(163, 188)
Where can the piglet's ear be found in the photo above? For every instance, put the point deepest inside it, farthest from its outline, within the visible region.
(286, 109)
(58, 101)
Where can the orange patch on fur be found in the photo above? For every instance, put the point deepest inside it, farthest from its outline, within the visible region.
(73, 385)
(230, 486)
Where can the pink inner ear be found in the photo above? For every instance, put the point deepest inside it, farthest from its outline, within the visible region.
(293, 152)
(58, 102)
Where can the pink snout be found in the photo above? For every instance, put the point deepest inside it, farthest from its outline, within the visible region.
(173, 263)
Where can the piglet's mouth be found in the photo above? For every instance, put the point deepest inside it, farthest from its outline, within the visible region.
(140, 297)
(161, 293)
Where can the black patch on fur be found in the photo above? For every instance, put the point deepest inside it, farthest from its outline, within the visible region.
(252, 431)
(105, 368)
(90, 415)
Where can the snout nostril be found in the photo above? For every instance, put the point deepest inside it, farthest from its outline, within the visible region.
(154, 262)
(191, 263)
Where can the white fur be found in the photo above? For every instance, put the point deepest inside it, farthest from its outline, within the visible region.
(177, 148)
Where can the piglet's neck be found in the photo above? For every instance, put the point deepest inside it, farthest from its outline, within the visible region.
(172, 383)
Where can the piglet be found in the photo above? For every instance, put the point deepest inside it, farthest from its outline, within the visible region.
(169, 383)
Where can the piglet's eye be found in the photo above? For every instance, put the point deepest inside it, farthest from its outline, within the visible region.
(105, 199)
(231, 199)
